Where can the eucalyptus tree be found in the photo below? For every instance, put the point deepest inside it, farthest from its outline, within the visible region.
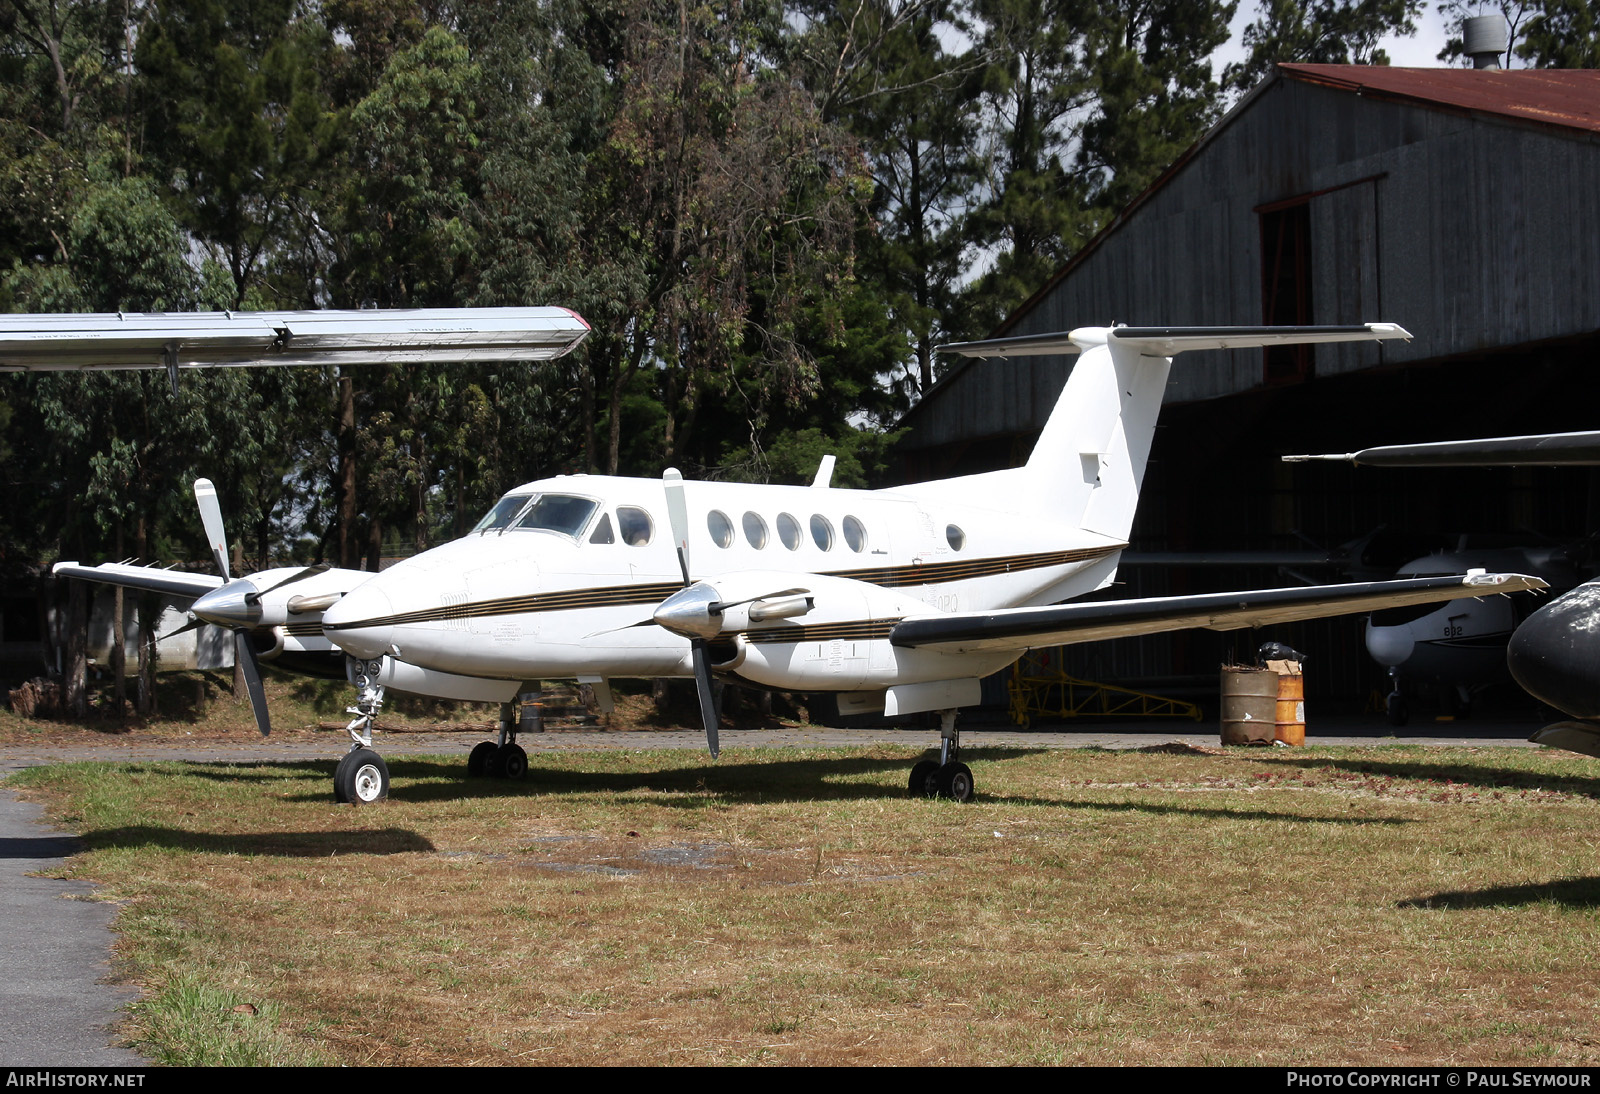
(1335, 32)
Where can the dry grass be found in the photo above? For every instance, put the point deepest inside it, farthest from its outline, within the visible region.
(1395, 906)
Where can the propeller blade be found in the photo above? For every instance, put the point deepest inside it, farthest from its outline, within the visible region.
(205, 495)
(708, 704)
(252, 680)
(678, 517)
(189, 626)
(309, 571)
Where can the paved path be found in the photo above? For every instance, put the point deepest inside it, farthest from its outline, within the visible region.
(55, 945)
(55, 949)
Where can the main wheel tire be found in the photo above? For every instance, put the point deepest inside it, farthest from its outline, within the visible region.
(955, 782)
(924, 783)
(339, 794)
(512, 762)
(478, 760)
(363, 778)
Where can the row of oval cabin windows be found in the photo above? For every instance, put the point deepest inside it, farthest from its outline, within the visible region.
(634, 527)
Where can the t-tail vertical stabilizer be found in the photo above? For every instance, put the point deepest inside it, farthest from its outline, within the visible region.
(1089, 462)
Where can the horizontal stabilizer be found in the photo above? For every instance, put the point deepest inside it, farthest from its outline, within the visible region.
(201, 339)
(1169, 341)
(149, 578)
(1534, 450)
(1068, 624)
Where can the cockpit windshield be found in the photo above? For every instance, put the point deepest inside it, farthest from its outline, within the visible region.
(504, 511)
(558, 513)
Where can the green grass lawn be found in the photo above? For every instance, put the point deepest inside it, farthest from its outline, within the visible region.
(1311, 906)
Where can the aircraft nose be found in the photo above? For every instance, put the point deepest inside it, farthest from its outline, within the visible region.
(1555, 654)
(362, 622)
(1390, 646)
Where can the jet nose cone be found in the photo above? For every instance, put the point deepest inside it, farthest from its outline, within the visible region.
(1555, 653)
(231, 605)
(361, 623)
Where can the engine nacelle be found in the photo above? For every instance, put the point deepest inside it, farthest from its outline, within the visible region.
(810, 632)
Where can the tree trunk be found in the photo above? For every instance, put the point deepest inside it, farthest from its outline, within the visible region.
(76, 685)
(349, 553)
(119, 652)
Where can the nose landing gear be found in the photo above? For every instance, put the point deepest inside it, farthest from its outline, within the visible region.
(362, 777)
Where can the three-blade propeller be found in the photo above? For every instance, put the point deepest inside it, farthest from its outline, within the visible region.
(236, 603)
(678, 518)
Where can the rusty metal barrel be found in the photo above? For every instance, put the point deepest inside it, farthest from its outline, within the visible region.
(1291, 728)
(1249, 705)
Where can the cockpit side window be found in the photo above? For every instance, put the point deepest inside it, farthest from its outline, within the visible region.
(558, 513)
(602, 531)
(503, 512)
(636, 526)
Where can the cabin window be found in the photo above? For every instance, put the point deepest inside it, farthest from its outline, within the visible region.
(821, 532)
(789, 531)
(503, 512)
(956, 537)
(637, 527)
(602, 532)
(855, 534)
(755, 530)
(720, 527)
(562, 513)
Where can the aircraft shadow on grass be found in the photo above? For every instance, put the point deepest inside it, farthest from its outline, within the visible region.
(1569, 892)
(1492, 778)
(367, 841)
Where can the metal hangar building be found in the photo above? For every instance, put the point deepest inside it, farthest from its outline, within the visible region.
(1461, 204)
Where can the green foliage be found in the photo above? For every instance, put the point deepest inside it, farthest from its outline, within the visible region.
(770, 215)
(1335, 32)
(1563, 34)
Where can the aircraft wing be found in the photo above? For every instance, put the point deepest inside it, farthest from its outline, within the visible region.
(1169, 341)
(1068, 624)
(1533, 450)
(67, 342)
(149, 578)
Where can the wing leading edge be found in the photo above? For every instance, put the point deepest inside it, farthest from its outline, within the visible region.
(148, 578)
(65, 342)
(1068, 624)
(1532, 450)
(1170, 341)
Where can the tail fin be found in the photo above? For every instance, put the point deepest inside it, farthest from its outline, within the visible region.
(1090, 458)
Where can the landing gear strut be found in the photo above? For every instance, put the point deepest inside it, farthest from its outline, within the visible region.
(362, 777)
(503, 760)
(949, 778)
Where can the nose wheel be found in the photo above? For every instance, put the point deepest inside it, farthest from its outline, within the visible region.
(361, 778)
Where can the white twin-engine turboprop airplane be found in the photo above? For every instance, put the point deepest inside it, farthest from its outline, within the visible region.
(898, 600)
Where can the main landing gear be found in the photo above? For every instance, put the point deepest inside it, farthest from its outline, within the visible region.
(505, 760)
(949, 777)
(362, 777)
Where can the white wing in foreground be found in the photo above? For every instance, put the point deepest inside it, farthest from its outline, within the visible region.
(202, 339)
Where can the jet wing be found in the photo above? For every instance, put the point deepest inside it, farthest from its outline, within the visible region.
(1170, 341)
(1068, 624)
(66, 342)
(1533, 450)
(149, 578)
